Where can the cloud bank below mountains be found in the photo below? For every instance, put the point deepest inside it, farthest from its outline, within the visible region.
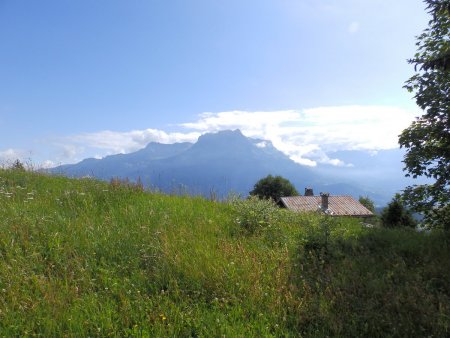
(306, 136)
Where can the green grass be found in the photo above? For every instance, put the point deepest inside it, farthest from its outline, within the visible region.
(87, 258)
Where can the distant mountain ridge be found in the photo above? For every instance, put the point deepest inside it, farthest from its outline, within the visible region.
(224, 162)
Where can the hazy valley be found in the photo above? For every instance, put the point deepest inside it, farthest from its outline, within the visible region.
(228, 162)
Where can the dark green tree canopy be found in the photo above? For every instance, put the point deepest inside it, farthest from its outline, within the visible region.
(273, 187)
(427, 139)
(396, 215)
(367, 202)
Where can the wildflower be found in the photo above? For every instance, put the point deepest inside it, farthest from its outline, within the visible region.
(163, 318)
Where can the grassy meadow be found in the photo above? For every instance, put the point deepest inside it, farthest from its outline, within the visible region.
(81, 257)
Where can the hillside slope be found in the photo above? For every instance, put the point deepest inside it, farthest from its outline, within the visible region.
(80, 257)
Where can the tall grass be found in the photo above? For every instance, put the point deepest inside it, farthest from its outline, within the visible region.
(87, 258)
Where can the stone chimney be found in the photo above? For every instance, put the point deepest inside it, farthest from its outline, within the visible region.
(309, 192)
(324, 204)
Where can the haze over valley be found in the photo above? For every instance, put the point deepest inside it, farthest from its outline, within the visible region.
(228, 162)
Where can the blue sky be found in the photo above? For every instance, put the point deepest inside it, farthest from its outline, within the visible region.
(94, 77)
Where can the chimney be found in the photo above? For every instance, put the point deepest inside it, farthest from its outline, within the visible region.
(309, 192)
(324, 204)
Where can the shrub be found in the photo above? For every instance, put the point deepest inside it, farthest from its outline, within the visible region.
(117, 182)
(17, 165)
(253, 213)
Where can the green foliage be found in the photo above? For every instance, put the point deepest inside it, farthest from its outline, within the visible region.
(367, 202)
(371, 282)
(254, 214)
(80, 257)
(427, 139)
(273, 187)
(396, 215)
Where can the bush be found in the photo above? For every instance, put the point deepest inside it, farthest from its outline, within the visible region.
(353, 281)
(17, 165)
(117, 182)
(253, 213)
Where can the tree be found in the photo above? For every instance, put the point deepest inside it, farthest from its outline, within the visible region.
(367, 202)
(396, 215)
(274, 188)
(427, 139)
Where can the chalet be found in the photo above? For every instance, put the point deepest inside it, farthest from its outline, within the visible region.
(332, 205)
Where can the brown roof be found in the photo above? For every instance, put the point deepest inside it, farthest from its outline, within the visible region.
(337, 205)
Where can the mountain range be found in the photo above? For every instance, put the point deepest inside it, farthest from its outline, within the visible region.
(228, 162)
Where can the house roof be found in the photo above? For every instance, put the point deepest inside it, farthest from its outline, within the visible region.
(337, 205)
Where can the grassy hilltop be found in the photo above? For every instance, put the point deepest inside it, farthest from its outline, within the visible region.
(87, 258)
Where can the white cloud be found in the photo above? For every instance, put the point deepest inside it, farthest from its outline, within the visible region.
(306, 136)
(236, 119)
(8, 156)
(47, 164)
(113, 142)
(353, 27)
(70, 151)
(261, 144)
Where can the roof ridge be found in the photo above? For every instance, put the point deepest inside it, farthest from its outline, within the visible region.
(318, 196)
(343, 205)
